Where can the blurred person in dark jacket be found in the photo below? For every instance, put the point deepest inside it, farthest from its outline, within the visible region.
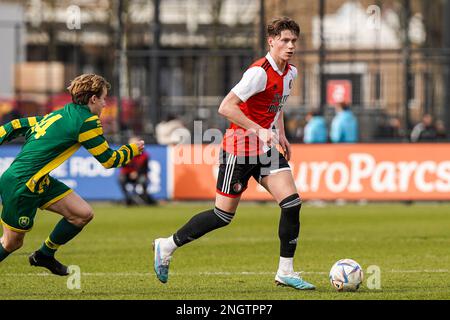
(441, 130)
(133, 179)
(391, 130)
(424, 131)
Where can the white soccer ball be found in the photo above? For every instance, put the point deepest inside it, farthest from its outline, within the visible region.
(346, 275)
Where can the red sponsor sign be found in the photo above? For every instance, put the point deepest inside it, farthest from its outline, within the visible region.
(339, 91)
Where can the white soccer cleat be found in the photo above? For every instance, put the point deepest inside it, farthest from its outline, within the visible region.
(293, 280)
(161, 262)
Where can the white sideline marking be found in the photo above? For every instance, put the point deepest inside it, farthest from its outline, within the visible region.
(243, 273)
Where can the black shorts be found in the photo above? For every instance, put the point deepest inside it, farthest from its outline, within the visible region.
(235, 171)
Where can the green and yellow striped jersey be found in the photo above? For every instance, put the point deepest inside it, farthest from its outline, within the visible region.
(52, 139)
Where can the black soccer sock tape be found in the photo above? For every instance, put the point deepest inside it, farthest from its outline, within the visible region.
(201, 224)
(289, 227)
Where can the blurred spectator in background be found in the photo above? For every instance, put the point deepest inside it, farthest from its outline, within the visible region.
(424, 131)
(391, 130)
(316, 128)
(441, 130)
(172, 131)
(133, 179)
(293, 129)
(344, 127)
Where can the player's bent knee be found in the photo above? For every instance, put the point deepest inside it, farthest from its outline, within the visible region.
(87, 217)
(292, 201)
(12, 244)
(225, 218)
(82, 218)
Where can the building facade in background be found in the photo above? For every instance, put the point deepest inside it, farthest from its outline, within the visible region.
(182, 56)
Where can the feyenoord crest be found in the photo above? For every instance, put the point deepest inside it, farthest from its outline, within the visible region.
(237, 187)
(24, 221)
(290, 84)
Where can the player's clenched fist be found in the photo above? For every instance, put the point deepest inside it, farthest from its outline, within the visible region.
(140, 144)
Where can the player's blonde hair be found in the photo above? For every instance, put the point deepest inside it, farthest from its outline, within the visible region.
(83, 87)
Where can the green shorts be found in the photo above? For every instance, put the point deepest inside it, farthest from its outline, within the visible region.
(20, 204)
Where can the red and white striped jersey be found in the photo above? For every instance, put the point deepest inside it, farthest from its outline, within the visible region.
(263, 90)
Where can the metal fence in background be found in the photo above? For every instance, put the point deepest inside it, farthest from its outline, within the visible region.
(159, 68)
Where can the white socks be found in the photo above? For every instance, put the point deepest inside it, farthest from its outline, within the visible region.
(286, 265)
(168, 246)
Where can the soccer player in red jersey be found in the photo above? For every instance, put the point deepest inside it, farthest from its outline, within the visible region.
(255, 109)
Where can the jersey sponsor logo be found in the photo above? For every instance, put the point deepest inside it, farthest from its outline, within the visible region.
(277, 103)
(24, 221)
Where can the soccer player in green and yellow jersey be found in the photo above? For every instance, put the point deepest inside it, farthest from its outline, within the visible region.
(50, 140)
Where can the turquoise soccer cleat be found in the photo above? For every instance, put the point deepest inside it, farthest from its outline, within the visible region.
(161, 264)
(293, 280)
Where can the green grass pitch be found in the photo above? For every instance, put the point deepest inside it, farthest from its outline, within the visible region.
(409, 243)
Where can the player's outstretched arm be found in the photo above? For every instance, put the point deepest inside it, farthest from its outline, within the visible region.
(16, 128)
(91, 137)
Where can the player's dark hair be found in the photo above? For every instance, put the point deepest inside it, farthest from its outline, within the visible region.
(280, 24)
(344, 105)
(83, 87)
